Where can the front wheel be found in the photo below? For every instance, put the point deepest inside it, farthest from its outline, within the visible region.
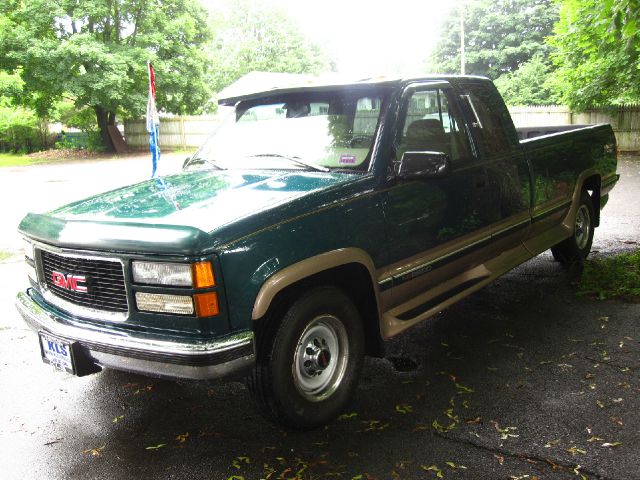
(577, 247)
(309, 360)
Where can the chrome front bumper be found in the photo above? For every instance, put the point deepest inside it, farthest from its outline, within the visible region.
(134, 352)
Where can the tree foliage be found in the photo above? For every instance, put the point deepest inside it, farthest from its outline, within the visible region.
(252, 36)
(597, 51)
(20, 129)
(528, 85)
(500, 35)
(96, 52)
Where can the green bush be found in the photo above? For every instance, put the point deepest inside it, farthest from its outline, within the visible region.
(84, 119)
(20, 130)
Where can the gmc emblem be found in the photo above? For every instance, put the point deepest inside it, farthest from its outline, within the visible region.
(70, 281)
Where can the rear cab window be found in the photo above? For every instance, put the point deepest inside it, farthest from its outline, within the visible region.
(490, 120)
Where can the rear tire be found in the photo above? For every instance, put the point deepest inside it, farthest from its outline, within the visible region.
(309, 359)
(577, 247)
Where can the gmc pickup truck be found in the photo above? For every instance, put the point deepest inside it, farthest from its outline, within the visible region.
(317, 222)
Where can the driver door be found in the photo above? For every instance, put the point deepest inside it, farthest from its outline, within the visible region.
(431, 222)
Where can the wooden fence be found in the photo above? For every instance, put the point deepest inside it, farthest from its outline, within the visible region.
(192, 131)
(625, 121)
(175, 132)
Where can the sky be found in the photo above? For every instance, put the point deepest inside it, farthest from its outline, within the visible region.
(370, 36)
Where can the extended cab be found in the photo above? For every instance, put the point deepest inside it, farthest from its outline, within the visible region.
(317, 222)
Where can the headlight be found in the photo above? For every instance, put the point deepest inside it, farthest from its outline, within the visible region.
(174, 274)
(196, 275)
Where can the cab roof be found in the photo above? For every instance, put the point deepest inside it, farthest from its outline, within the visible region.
(333, 82)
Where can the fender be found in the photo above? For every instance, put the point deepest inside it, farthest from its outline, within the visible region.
(308, 267)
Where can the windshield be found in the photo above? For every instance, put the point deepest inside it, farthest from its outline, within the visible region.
(311, 130)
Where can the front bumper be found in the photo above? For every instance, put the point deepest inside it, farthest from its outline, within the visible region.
(142, 353)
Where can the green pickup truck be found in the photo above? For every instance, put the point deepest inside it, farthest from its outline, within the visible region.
(317, 222)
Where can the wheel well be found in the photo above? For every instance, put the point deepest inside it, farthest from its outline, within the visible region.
(355, 281)
(592, 185)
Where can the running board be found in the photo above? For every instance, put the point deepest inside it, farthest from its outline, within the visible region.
(435, 300)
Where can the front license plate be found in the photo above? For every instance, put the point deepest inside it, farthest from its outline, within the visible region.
(57, 353)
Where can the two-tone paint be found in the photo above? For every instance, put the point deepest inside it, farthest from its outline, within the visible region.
(404, 249)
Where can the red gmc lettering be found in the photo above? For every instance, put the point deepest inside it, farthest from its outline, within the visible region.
(69, 282)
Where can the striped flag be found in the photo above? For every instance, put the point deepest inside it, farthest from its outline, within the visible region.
(153, 122)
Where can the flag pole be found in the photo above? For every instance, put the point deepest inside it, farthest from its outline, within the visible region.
(153, 121)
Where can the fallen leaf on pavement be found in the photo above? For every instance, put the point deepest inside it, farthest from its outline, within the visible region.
(575, 451)
(347, 416)
(156, 447)
(612, 444)
(404, 408)
(433, 468)
(95, 452)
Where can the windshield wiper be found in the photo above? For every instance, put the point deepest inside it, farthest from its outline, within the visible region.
(296, 160)
(200, 160)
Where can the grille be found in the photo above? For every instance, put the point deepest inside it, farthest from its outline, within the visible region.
(105, 281)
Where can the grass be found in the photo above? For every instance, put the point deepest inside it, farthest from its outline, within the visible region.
(4, 255)
(17, 160)
(612, 277)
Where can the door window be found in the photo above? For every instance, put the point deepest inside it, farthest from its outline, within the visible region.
(431, 124)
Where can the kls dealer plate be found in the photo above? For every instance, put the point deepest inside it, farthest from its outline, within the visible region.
(57, 353)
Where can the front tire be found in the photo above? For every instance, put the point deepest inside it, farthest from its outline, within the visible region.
(309, 359)
(577, 247)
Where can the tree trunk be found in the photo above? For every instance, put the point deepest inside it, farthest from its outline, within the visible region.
(105, 119)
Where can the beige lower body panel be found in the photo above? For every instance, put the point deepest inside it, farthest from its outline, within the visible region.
(475, 277)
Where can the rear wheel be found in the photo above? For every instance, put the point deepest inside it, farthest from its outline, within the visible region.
(577, 247)
(309, 359)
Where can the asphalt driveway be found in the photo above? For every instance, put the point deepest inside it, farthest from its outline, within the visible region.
(521, 380)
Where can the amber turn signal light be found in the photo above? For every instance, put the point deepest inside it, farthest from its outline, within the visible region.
(206, 304)
(203, 275)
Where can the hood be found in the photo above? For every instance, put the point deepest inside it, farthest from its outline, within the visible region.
(185, 207)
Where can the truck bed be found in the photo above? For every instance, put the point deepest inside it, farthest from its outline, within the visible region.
(531, 132)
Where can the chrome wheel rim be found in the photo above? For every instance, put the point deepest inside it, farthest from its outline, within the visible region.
(321, 357)
(583, 227)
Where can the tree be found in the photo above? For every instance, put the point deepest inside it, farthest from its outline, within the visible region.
(597, 51)
(252, 36)
(96, 53)
(528, 85)
(500, 35)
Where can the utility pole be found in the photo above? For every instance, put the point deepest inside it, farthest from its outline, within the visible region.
(462, 59)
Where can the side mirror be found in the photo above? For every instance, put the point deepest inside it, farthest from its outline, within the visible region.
(186, 162)
(414, 165)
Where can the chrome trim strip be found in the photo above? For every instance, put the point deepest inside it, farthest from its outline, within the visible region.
(515, 226)
(545, 212)
(40, 319)
(428, 266)
(72, 308)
